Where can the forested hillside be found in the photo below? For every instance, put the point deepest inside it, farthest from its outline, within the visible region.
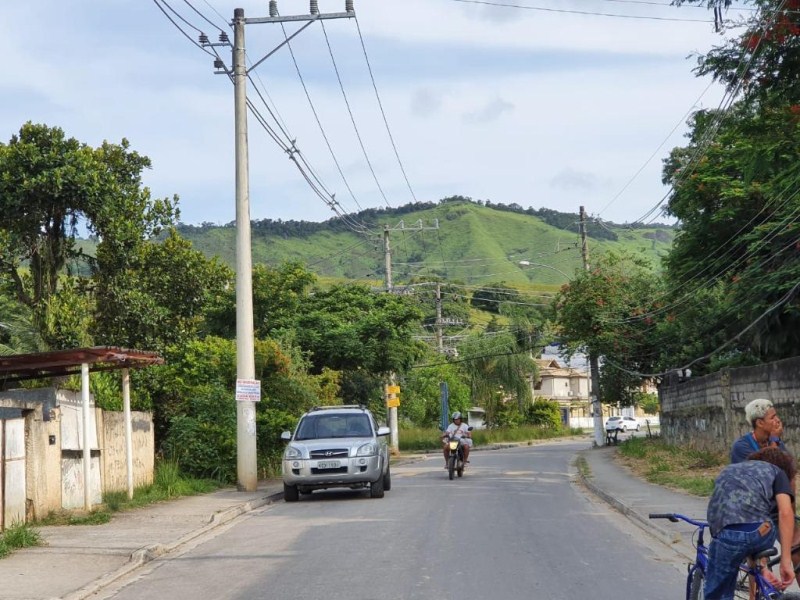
(455, 239)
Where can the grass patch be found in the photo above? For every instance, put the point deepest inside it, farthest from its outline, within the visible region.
(168, 484)
(685, 469)
(19, 535)
(425, 439)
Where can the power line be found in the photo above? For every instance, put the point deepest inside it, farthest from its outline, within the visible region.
(383, 113)
(581, 12)
(352, 118)
(319, 122)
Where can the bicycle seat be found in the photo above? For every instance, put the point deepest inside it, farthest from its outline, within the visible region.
(765, 553)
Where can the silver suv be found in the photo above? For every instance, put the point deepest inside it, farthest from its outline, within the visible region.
(336, 446)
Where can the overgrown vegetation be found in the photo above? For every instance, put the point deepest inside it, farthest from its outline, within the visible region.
(168, 483)
(19, 535)
(691, 471)
(428, 440)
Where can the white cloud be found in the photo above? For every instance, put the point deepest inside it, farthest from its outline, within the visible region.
(536, 108)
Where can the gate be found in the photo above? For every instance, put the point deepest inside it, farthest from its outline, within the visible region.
(12, 472)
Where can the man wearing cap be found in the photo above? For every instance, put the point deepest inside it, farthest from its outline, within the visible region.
(767, 430)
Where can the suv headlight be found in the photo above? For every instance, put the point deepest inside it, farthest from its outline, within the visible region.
(292, 453)
(367, 449)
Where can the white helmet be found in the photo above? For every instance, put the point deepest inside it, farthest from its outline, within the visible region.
(456, 415)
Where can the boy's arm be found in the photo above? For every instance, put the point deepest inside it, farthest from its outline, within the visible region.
(785, 534)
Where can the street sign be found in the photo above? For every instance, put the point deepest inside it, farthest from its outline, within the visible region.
(392, 402)
(392, 389)
(248, 390)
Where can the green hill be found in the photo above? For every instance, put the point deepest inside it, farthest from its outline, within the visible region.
(455, 239)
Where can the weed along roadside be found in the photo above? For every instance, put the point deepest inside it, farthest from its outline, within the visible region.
(429, 439)
(684, 469)
(20, 535)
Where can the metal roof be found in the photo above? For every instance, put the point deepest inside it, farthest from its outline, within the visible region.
(17, 367)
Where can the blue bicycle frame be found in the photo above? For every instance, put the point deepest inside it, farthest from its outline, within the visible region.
(764, 589)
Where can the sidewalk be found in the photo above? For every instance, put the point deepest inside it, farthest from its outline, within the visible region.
(81, 559)
(635, 498)
(77, 561)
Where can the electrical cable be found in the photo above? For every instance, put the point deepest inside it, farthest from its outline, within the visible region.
(383, 112)
(319, 122)
(581, 12)
(352, 118)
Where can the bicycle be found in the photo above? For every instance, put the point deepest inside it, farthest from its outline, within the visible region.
(751, 569)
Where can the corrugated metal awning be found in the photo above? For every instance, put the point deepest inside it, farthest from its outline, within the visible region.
(58, 363)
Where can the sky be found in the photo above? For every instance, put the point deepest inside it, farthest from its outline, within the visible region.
(542, 108)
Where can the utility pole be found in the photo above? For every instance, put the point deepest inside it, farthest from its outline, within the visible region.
(394, 436)
(439, 344)
(246, 459)
(387, 257)
(248, 389)
(594, 389)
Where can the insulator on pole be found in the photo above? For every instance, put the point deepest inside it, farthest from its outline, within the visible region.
(314, 7)
(218, 64)
(203, 39)
(223, 37)
(348, 6)
(273, 8)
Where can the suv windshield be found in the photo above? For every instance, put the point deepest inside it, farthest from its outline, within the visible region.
(314, 427)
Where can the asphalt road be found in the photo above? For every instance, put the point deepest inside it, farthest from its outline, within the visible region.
(515, 526)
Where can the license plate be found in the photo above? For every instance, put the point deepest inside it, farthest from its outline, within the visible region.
(329, 464)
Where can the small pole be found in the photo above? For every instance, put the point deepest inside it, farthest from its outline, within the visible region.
(126, 408)
(87, 451)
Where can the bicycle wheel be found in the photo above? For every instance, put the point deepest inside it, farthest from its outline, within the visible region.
(696, 586)
(742, 591)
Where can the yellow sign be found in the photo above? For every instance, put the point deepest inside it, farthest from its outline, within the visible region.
(392, 389)
(392, 402)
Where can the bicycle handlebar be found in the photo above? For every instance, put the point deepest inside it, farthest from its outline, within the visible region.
(675, 517)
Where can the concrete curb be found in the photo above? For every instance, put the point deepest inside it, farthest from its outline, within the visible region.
(670, 538)
(144, 555)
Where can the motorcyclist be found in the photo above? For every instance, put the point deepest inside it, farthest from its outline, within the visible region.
(457, 429)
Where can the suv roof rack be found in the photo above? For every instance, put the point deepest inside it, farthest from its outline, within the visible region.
(334, 407)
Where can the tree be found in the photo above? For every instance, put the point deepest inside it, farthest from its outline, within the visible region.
(611, 312)
(161, 298)
(51, 185)
(764, 59)
(492, 297)
(499, 374)
(421, 393)
(348, 327)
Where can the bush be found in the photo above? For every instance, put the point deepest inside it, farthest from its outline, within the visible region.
(203, 441)
(544, 413)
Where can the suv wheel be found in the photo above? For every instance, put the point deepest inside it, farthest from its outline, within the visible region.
(376, 488)
(387, 480)
(290, 493)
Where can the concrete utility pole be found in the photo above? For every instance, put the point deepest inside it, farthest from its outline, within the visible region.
(246, 450)
(594, 391)
(439, 344)
(248, 389)
(387, 254)
(387, 258)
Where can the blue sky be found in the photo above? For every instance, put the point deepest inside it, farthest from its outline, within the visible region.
(538, 108)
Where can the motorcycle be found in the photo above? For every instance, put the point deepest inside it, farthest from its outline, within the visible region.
(455, 462)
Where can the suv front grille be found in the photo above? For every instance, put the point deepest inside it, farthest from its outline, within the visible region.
(332, 453)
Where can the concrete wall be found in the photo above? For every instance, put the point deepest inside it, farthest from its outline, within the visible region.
(54, 444)
(43, 449)
(708, 412)
(115, 469)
